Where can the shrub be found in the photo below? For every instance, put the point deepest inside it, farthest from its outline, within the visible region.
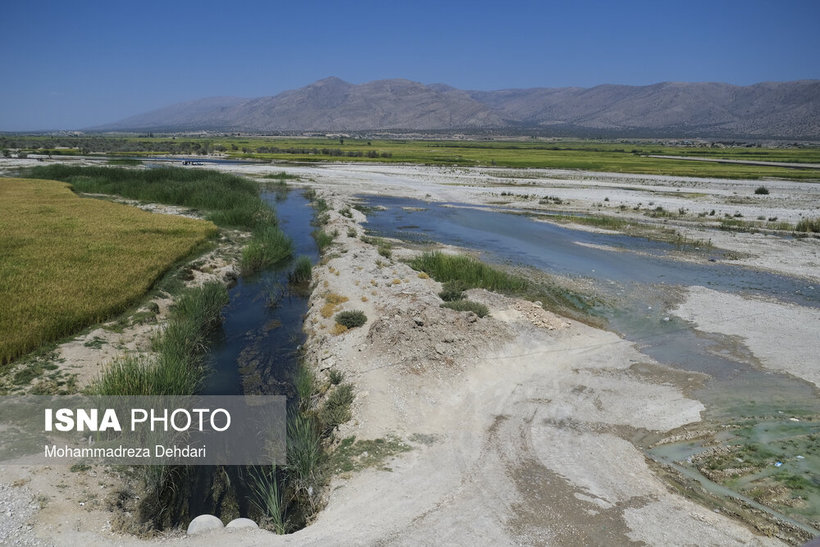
(268, 497)
(303, 381)
(471, 272)
(468, 305)
(336, 409)
(761, 190)
(335, 376)
(808, 225)
(304, 449)
(323, 239)
(351, 319)
(302, 271)
(321, 205)
(452, 290)
(474, 274)
(268, 246)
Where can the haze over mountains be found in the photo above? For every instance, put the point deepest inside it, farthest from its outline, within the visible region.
(771, 109)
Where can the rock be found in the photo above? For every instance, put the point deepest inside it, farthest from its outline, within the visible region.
(231, 278)
(418, 321)
(203, 524)
(242, 523)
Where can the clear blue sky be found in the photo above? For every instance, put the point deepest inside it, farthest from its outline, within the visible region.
(69, 65)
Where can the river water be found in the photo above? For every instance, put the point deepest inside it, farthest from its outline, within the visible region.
(256, 350)
(640, 279)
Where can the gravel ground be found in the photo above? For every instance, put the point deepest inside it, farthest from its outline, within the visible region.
(18, 507)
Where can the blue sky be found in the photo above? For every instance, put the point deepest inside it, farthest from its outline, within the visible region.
(68, 65)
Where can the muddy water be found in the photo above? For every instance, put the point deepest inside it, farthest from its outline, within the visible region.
(257, 349)
(641, 280)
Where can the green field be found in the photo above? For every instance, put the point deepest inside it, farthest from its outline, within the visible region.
(610, 156)
(68, 262)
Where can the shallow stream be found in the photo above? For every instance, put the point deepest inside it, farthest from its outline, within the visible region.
(640, 279)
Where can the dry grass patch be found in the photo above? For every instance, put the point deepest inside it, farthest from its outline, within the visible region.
(332, 303)
(70, 262)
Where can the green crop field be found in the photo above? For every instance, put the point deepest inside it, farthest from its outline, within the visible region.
(590, 155)
(68, 262)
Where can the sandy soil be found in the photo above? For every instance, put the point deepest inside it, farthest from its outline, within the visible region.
(523, 425)
(760, 325)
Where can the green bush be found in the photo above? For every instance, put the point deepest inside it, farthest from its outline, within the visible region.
(304, 449)
(761, 190)
(323, 239)
(475, 274)
(335, 376)
(472, 273)
(452, 290)
(351, 319)
(268, 497)
(386, 250)
(321, 205)
(302, 271)
(268, 246)
(468, 305)
(808, 225)
(303, 381)
(336, 409)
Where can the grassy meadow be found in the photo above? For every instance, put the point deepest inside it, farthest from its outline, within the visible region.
(582, 155)
(227, 200)
(619, 156)
(461, 272)
(69, 262)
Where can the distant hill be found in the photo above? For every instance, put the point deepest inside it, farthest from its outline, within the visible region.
(771, 109)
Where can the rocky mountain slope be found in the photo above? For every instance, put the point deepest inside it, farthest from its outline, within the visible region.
(771, 109)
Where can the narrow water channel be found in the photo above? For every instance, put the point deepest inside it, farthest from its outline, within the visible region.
(256, 351)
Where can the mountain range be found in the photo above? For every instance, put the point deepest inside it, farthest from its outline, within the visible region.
(770, 109)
